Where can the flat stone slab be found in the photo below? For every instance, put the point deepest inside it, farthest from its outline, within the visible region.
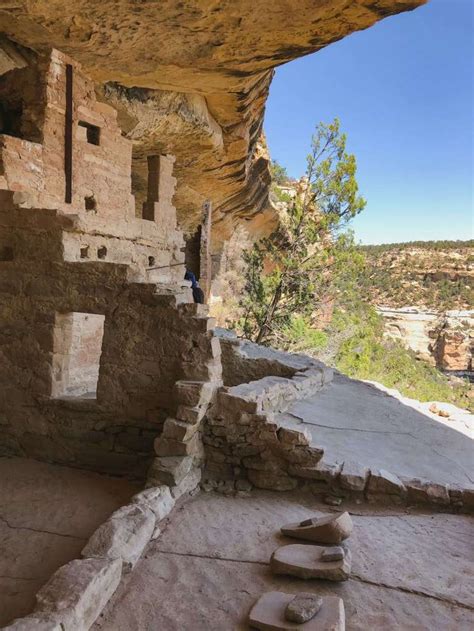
(327, 529)
(306, 561)
(216, 552)
(268, 614)
(355, 421)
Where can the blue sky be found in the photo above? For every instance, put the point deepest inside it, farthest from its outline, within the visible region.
(403, 91)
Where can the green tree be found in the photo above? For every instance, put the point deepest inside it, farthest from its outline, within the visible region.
(308, 256)
(279, 173)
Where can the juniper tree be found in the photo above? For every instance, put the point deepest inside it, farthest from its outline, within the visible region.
(304, 259)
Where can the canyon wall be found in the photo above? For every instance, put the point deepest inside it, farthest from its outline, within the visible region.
(445, 340)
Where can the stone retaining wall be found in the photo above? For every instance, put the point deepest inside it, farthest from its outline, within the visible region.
(241, 438)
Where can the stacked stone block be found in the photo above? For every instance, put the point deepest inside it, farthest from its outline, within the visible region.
(243, 440)
(179, 448)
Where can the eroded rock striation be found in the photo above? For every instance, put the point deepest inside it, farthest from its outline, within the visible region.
(191, 79)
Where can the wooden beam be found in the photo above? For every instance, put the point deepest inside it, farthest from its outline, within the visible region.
(68, 135)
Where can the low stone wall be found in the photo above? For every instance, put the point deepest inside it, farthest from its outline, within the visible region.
(242, 439)
(76, 594)
(244, 361)
(245, 446)
(340, 481)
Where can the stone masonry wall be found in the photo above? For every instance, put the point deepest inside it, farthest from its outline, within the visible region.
(85, 261)
(150, 342)
(241, 437)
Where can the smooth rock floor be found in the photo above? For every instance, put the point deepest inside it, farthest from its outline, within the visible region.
(410, 570)
(354, 420)
(47, 513)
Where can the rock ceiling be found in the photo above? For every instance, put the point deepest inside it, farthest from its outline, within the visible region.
(191, 77)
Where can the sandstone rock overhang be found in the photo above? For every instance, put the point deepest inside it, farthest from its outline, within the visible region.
(191, 78)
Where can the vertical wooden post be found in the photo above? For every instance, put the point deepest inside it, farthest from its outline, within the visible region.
(205, 250)
(68, 135)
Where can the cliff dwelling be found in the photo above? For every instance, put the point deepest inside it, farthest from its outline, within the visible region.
(149, 459)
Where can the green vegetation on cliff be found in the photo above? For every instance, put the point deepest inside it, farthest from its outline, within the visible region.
(309, 288)
(437, 275)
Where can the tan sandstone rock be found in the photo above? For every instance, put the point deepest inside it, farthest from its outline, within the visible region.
(123, 536)
(305, 561)
(200, 93)
(268, 614)
(331, 529)
(76, 594)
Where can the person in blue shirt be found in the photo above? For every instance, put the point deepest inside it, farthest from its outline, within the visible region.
(198, 294)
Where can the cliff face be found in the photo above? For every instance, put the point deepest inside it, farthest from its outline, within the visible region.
(434, 276)
(424, 291)
(191, 78)
(445, 340)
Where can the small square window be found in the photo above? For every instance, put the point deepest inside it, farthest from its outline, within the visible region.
(90, 203)
(92, 133)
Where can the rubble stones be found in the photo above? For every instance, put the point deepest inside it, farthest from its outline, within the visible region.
(383, 482)
(303, 607)
(462, 497)
(294, 437)
(322, 472)
(170, 447)
(188, 484)
(193, 393)
(240, 425)
(77, 592)
(123, 536)
(332, 500)
(178, 430)
(353, 476)
(271, 481)
(243, 485)
(426, 492)
(158, 499)
(190, 415)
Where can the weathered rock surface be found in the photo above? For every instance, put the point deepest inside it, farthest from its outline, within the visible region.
(303, 607)
(170, 470)
(157, 499)
(188, 484)
(192, 79)
(123, 536)
(76, 594)
(445, 339)
(353, 476)
(383, 482)
(34, 623)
